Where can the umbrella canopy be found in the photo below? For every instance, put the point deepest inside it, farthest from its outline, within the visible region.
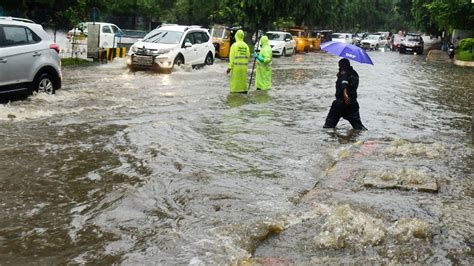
(348, 51)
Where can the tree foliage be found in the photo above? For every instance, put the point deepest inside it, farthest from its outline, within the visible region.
(338, 15)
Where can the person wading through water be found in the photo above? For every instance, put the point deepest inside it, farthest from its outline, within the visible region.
(238, 62)
(263, 79)
(345, 105)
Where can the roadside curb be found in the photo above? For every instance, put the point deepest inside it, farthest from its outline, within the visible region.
(464, 63)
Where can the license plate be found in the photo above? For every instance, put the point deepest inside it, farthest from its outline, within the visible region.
(408, 49)
(143, 60)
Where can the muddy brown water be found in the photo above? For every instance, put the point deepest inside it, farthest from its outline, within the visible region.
(144, 168)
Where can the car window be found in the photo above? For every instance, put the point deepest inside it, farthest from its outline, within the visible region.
(106, 29)
(288, 36)
(205, 37)
(14, 35)
(163, 36)
(189, 38)
(115, 29)
(197, 38)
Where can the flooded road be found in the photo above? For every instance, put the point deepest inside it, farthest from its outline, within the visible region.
(143, 168)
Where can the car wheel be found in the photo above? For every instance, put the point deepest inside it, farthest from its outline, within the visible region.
(178, 61)
(209, 59)
(44, 83)
(284, 52)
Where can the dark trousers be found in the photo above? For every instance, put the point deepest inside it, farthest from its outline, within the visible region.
(350, 113)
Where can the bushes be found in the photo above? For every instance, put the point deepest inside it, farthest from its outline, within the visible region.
(466, 44)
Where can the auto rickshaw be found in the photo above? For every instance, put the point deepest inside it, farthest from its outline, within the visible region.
(300, 37)
(222, 38)
(317, 37)
(314, 41)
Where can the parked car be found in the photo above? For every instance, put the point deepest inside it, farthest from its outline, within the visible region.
(282, 43)
(29, 59)
(171, 45)
(412, 43)
(342, 37)
(373, 42)
(108, 36)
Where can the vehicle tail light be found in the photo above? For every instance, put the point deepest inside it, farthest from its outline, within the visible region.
(55, 47)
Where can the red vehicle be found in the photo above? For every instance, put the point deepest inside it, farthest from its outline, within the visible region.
(397, 39)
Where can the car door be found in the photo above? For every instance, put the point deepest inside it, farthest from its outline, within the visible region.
(290, 45)
(189, 53)
(202, 40)
(118, 34)
(20, 53)
(107, 37)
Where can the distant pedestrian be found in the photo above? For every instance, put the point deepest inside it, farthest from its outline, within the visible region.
(263, 79)
(238, 62)
(345, 105)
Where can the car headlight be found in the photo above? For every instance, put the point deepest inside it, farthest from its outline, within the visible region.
(164, 51)
(134, 49)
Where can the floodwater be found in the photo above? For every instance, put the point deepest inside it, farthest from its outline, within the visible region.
(145, 168)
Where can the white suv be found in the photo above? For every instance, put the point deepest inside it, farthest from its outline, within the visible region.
(29, 59)
(171, 45)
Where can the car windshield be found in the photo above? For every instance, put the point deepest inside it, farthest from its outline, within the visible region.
(274, 36)
(163, 36)
(373, 37)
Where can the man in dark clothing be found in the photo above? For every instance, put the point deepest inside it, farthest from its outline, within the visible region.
(345, 105)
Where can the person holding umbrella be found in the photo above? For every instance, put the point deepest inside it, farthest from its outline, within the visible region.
(238, 61)
(345, 105)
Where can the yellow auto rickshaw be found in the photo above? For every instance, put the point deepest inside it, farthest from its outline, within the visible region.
(300, 37)
(222, 38)
(317, 37)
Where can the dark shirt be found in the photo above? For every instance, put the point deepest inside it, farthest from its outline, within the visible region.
(350, 77)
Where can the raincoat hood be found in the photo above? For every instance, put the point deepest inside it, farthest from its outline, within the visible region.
(264, 41)
(239, 35)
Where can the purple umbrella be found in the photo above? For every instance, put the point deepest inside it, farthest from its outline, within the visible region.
(348, 51)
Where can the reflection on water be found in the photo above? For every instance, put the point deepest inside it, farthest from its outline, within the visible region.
(146, 168)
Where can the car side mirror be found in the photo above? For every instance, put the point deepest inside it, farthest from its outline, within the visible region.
(287, 39)
(187, 44)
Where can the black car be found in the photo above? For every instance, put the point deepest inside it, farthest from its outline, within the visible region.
(412, 43)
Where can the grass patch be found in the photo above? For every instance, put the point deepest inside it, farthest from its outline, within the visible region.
(76, 62)
(464, 56)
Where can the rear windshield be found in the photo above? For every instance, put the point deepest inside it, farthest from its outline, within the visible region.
(163, 36)
(218, 32)
(413, 38)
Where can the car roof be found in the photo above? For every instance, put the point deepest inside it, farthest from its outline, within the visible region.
(37, 28)
(278, 32)
(180, 28)
(16, 20)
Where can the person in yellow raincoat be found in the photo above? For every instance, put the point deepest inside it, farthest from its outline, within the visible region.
(238, 62)
(263, 79)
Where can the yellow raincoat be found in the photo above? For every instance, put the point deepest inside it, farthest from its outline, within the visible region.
(238, 61)
(263, 79)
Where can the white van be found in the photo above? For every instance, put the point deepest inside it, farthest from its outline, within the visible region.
(108, 37)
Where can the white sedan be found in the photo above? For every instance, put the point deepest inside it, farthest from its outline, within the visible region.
(373, 42)
(281, 42)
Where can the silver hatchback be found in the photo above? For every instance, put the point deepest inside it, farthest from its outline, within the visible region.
(29, 59)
